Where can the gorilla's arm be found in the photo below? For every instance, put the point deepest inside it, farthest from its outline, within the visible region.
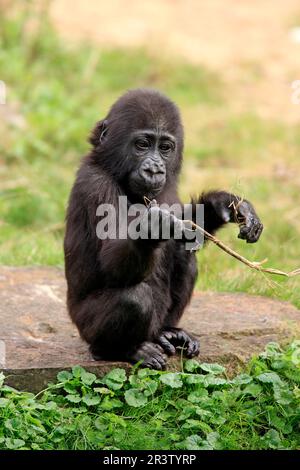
(128, 261)
(221, 207)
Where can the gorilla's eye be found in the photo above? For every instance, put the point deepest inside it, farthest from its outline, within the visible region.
(142, 144)
(165, 147)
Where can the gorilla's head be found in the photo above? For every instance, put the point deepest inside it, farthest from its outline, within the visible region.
(140, 142)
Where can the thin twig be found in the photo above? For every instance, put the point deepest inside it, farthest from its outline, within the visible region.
(257, 265)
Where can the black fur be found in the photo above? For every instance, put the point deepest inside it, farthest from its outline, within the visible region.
(126, 297)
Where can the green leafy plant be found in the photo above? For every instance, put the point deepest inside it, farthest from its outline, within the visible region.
(196, 408)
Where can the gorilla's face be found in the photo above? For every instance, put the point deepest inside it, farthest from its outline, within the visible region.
(140, 143)
(149, 151)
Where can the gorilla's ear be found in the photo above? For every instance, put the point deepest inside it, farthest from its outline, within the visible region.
(99, 132)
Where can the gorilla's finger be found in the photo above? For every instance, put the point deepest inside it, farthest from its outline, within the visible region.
(166, 345)
(161, 359)
(181, 337)
(152, 363)
(244, 230)
(255, 233)
(193, 349)
(169, 334)
(157, 347)
(259, 230)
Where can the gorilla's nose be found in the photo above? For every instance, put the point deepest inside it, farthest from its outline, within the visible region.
(155, 171)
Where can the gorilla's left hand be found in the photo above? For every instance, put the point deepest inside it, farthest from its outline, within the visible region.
(232, 208)
(249, 222)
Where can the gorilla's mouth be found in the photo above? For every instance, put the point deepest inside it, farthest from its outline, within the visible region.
(147, 186)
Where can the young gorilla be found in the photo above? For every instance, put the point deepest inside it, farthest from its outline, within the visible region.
(126, 296)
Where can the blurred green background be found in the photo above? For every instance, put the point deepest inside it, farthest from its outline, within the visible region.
(242, 134)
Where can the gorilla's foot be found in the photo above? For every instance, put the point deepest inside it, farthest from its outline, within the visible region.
(172, 338)
(151, 354)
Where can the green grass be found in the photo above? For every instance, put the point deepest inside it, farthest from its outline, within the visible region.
(61, 91)
(57, 93)
(197, 408)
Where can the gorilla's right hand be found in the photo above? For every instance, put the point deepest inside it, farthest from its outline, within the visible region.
(159, 224)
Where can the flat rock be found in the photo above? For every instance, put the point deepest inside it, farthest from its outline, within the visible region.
(37, 338)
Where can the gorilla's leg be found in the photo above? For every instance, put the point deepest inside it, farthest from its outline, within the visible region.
(183, 279)
(119, 324)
